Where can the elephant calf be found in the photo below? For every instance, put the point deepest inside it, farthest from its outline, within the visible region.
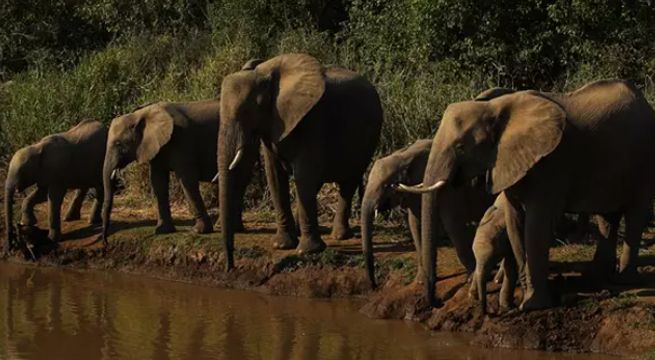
(490, 245)
(57, 163)
(465, 204)
(178, 137)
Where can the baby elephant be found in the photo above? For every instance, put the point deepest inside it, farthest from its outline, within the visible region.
(57, 163)
(490, 245)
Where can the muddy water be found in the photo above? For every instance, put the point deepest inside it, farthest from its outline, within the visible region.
(48, 313)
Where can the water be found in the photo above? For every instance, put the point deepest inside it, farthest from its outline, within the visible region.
(49, 313)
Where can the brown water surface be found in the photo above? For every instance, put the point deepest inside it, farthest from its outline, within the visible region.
(50, 313)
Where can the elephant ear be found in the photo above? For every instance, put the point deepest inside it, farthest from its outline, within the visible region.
(493, 93)
(251, 64)
(298, 84)
(157, 126)
(533, 129)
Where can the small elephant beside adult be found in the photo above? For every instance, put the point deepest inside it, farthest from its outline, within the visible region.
(319, 124)
(491, 245)
(56, 164)
(178, 137)
(581, 152)
(460, 208)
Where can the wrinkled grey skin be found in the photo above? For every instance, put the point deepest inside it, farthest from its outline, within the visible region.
(490, 246)
(319, 124)
(464, 206)
(550, 154)
(172, 137)
(57, 163)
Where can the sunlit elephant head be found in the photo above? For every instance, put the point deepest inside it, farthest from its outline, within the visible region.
(503, 137)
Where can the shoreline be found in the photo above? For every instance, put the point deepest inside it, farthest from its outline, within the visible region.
(617, 320)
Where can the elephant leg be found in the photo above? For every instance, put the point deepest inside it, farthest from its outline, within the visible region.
(604, 262)
(514, 221)
(39, 195)
(159, 179)
(414, 221)
(341, 229)
(96, 211)
(510, 275)
(635, 222)
(191, 190)
(278, 185)
(75, 208)
(538, 235)
(310, 239)
(461, 236)
(55, 198)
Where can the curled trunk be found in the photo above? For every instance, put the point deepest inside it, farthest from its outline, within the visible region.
(10, 190)
(368, 213)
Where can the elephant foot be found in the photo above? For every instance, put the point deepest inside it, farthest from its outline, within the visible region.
(28, 220)
(54, 235)
(506, 302)
(473, 291)
(284, 241)
(311, 245)
(164, 228)
(342, 233)
(535, 301)
(202, 227)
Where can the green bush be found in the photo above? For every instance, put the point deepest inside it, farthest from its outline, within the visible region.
(64, 60)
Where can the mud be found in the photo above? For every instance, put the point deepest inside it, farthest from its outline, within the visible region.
(589, 317)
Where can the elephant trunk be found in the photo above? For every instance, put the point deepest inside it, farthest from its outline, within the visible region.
(10, 190)
(229, 146)
(108, 169)
(367, 216)
(480, 277)
(439, 168)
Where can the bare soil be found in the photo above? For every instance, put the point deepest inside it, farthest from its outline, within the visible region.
(589, 317)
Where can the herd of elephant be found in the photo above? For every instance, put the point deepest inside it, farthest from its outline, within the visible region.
(498, 176)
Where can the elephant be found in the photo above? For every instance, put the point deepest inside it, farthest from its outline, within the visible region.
(464, 206)
(582, 152)
(320, 124)
(490, 246)
(171, 136)
(57, 163)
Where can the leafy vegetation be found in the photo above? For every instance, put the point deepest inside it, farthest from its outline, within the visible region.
(65, 60)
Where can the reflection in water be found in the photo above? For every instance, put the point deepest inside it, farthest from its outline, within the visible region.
(48, 313)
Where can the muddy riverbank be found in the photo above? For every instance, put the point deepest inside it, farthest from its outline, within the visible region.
(590, 318)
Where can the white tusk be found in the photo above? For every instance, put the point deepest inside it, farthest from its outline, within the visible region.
(420, 189)
(114, 174)
(375, 216)
(236, 160)
(215, 179)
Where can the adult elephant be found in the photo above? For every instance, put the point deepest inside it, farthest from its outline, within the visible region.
(178, 137)
(460, 208)
(320, 124)
(57, 163)
(582, 152)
